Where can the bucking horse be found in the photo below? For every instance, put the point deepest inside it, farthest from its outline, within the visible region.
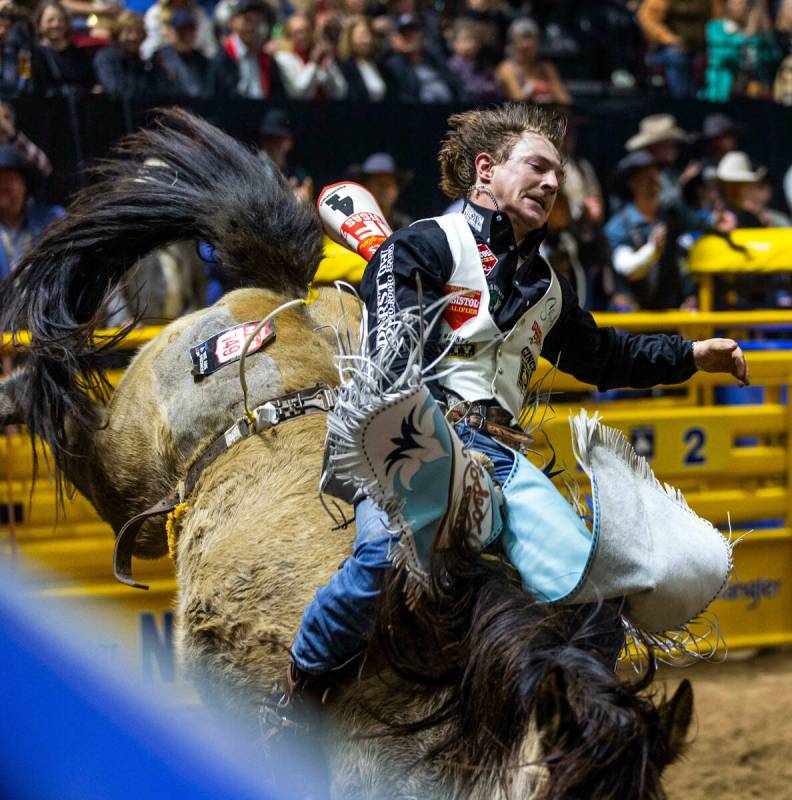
(481, 692)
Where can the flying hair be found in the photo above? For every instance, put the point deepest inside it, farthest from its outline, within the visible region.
(494, 131)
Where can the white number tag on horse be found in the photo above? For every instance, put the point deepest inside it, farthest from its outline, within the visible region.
(225, 347)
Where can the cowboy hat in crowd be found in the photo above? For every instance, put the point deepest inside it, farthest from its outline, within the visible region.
(653, 129)
(736, 167)
(717, 125)
(11, 159)
(629, 166)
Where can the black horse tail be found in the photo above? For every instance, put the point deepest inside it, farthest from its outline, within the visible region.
(511, 667)
(182, 179)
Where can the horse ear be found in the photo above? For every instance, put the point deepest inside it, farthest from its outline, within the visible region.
(676, 715)
(555, 718)
(13, 391)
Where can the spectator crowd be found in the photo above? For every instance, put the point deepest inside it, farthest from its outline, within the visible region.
(475, 51)
(621, 241)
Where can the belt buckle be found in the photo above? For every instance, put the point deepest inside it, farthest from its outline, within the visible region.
(475, 409)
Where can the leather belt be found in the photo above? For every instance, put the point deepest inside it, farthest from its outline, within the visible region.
(492, 420)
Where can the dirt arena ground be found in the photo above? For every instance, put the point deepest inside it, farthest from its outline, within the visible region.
(742, 734)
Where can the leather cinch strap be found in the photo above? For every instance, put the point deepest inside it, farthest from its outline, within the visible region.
(127, 538)
(314, 400)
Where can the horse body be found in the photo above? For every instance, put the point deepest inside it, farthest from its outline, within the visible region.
(491, 696)
(255, 542)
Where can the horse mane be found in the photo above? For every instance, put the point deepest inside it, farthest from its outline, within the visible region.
(502, 657)
(181, 179)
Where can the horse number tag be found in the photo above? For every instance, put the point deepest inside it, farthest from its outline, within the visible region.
(226, 347)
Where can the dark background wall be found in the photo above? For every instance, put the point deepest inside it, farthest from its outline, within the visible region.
(330, 136)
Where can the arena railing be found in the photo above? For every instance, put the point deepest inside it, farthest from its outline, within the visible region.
(755, 252)
(731, 461)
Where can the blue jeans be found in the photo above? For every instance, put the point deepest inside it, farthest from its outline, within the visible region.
(677, 65)
(337, 623)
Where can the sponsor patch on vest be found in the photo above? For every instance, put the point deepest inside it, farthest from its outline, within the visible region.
(462, 350)
(527, 369)
(475, 220)
(461, 308)
(488, 259)
(496, 296)
(550, 311)
(536, 337)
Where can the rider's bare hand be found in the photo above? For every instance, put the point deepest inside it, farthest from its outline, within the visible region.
(721, 355)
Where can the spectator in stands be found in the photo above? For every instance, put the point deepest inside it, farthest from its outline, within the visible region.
(307, 62)
(644, 255)
(581, 216)
(747, 193)
(244, 67)
(742, 53)
(418, 77)
(782, 86)
(354, 8)
(475, 76)
(383, 27)
(186, 70)
(491, 23)
(9, 135)
(380, 175)
(157, 20)
(21, 219)
(757, 201)
(522, 75)
(560, 248)
(660, 135)
(675, 31)
(740, 186)
(276, 142)
(119, 69)
(14, 51)
(783, 25)
(366, 80)
(57, 66)
(93, 17)
(426, 20)
(719, 135)
(581, 187)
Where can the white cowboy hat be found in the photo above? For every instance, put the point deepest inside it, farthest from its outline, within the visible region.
(736, 167)
(653, 129)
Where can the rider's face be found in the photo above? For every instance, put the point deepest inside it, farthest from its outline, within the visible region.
(526, 184)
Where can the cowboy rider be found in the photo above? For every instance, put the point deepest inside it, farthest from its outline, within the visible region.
(506, 164)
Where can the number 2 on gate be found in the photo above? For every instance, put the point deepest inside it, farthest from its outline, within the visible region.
(695, 439)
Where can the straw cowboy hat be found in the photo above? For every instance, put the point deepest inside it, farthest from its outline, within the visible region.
(736, 167)
(653, 129)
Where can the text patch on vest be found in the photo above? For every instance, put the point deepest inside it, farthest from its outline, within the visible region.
(488, 259)
(527, 369)
(461, 308)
